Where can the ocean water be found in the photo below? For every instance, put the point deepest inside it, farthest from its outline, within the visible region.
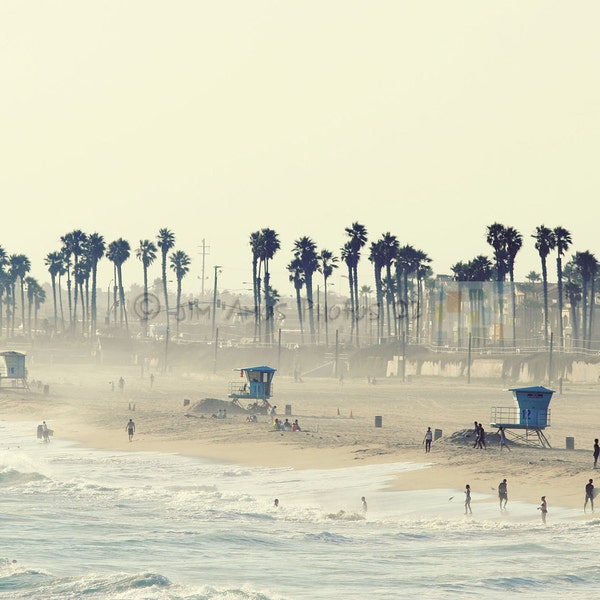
(79, 523)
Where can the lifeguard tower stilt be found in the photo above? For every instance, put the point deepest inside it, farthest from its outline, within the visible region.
(12, 368)
(526, 421)
(256, 385)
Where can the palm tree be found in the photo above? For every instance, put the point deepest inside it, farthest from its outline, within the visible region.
(180, 265)
(255, 245)
(514, 243)
(496, 237)
(587, 266)
(74, 244)
(54, 262)
(305, 250)
(349, 259)
(269, 245)
(81, 275)
(377, 258)
(544, 243)
(358, 238)
(20, 265)
(563, 242)
(94, 250)
(388, 248)
(146, 252)
(297, 278)
(327, 263)
(166, 242)
(118, 252)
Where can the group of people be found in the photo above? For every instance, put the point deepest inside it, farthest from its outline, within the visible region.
(221, 414)
(479, 433)
(279, 425)
(503, 499)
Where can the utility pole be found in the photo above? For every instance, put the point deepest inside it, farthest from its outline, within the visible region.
(214, 311)
(205, 252)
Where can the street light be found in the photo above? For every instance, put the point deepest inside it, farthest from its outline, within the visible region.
(214, 314)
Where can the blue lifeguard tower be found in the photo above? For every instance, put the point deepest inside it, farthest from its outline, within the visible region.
(256, 385)
(528, 418)
(12, 368)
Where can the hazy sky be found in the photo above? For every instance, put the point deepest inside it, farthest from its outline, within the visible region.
(429, 119)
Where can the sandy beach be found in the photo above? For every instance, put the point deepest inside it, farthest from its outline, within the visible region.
(338, 426)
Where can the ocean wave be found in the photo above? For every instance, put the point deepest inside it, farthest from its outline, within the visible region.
(11, 477)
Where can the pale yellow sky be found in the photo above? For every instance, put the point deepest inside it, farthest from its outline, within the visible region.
(429, 119)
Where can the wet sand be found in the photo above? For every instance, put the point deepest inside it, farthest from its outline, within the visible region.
(338, 426)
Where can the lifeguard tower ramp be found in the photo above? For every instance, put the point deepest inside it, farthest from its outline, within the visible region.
(527, 419)
(12, 369)
(254, 388)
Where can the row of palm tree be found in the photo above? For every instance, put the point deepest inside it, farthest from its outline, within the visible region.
(78, 258)
(13, 270)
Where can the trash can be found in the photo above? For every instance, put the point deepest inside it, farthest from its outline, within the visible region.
(288, 410)
(378, 421)
(570, 443)
(437, 434)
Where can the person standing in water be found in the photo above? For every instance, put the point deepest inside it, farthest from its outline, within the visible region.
(596, 452)
(544, 508)
(468, 500)
(503, 494)
(589, 494)
(130, 429)
(364, 505)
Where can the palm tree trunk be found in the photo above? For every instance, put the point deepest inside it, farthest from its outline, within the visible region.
(591, 320)
(94, 314)
(545, 287)
(54, 301)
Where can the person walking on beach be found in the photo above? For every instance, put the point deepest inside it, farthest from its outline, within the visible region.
(544, 508)
(468, 500)
(503, 443)
(427, 439)
(476, 434)
(503, 494)
(481, 440)
(130, 429)
(45, 432)
(589, 494)
(596, 452)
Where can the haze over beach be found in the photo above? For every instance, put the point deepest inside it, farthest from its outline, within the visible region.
(430, 120)
(444, 153)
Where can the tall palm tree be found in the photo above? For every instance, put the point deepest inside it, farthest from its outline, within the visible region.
(180, 265)
(563, 243)
(496, 237)
(545, 242)
(255, 245)
(118, 252)
(32, 285)
(94, 249)
(377, 258)
(357, 235)
(587, 266)
(54, 262)
(74, 244)
(297, 278)
(269, 245)
(388, 248)
(327, 263)
(81, 275)
(305, 250)
(20, 265)
(165, 241)
(514, 243)
(349, 259)
(146, 253)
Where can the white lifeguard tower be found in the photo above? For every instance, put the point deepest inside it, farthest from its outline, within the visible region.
(527, 419)
(12, 368)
